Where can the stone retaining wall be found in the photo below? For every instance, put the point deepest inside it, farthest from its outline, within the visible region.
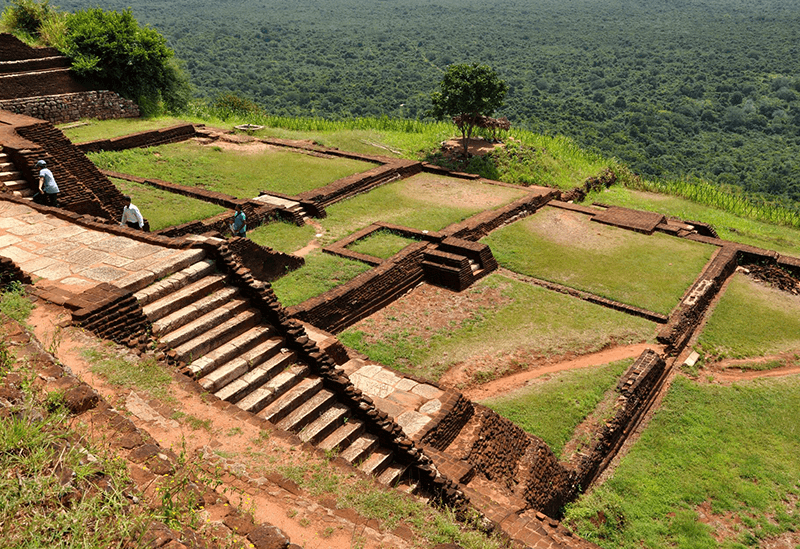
(480, 225)
(110, 313)
(63, 107)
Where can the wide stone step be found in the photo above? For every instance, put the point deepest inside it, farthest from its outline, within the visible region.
(379, 460)
(393, 474)
(175, 281)
(24, 193)
(182, 297)
(221, 334)
(203, 324)
(325, 424)
(343, 436)
(292, 399)
(254, 397)
(9, 175)
(308, 411)
(195, 310)
(360, 449)
(223, 370)
(16, 184)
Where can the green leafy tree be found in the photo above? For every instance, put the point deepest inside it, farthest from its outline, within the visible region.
(467, 93)
(112, 50)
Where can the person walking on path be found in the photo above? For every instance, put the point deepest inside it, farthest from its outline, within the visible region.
(131, 216)
(239, 225)
(48, 190)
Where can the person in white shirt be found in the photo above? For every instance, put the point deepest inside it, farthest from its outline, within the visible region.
(131, 216)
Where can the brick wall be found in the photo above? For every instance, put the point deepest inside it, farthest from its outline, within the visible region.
(341, 307)
(151, 138)
(264, 262)
(10, 272)
(480, 225)
(110, 313)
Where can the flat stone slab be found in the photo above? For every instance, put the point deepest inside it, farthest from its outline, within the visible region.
(636, 220)
(412, 422)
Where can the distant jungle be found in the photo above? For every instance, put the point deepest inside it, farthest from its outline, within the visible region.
(673, 88)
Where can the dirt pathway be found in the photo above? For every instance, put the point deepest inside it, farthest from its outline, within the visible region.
(507, 384)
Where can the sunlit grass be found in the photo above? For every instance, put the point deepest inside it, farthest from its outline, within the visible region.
(382, 244)
(92, 130)
(282, 236)
(322, 272)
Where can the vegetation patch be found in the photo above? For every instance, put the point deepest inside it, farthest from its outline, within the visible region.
(14, 302)
(282, 236)
(165, 209)
(730, 225)
(551, 407)
(383, 244)
(93, 130)
(145, 374)
(651, 272)
(735, 447)
(322, 272)
(430, 330)
(426, 202)
(239, 173)
(752, 320)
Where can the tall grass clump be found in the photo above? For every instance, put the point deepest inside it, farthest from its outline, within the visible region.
(14, 302)
(740, 204)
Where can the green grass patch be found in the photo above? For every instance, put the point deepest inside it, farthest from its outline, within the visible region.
(15, 303)
(322, 272)
(282, 236)
(551, 408)
(382, 244)
(651, 272)
(144, 374)
(728, 225)
(165, 209)
(734, 448)
(92, 130)
(751, 320)
(533, 321)
(236, 173)
(425, 201)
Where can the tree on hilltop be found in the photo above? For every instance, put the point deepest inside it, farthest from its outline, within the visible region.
(467, 93)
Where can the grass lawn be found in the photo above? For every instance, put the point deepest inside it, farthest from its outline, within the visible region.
(731, 450)
(282, 236)
(534, 322)
(425, 201)
(239, 173)
(651, 272)
(108, 129)
(322, 272)
(552, 407)
(752, 320)
(382, 244)
(164, 209)
(729, 226)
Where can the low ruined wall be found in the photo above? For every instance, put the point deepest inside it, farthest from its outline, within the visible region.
(455, 412)
(63, 102)
(10, 272)
(341, 307)
(480, 225)
(265, 263)
(110, 313)
(173, 134)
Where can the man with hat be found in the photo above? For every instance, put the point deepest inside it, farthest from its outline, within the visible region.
(48, 190)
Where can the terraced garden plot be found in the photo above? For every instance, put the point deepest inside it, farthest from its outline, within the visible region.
(728, 226)
(164, 209)
(92, 130)
(239, 170)
(651, 272)
(424, 201)
(382, 244)
(716, 467)
(282, 236)
(322, 272)
(551, 407)
(752, 320)
(431, 331)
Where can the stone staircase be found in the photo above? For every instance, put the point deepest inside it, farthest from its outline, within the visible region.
(205, 322)
(12, 179)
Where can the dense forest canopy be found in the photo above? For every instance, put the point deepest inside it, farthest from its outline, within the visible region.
(671, 87)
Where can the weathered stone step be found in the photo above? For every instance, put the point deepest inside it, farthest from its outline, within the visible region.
(308, 411)
(234, 359)
(343, 436)
(195, 310)
(242, 321)
(253, 397)
(292, 399)
(24, 193)
(379, 460)
(325, 424)
(182, 297)
(9, 175)
(393, 473)
(175, 281)
(352, 365)
(205, 323)
(360, 448)
(16, 184)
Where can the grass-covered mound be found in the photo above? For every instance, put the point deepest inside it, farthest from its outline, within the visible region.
(651, 272)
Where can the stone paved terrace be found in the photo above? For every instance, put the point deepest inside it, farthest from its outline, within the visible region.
(73, 258)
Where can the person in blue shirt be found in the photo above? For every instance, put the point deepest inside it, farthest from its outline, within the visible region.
(48, 190)
(239, 225)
